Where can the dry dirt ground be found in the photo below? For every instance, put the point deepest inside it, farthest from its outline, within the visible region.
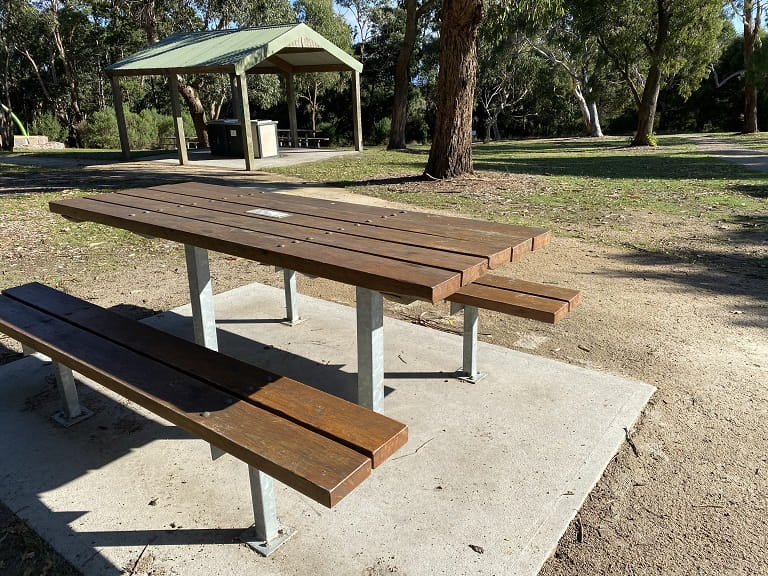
(688, 492)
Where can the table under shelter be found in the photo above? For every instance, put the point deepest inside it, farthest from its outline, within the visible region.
(285, 50)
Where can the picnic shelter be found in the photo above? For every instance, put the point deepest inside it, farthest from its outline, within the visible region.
(286, 50)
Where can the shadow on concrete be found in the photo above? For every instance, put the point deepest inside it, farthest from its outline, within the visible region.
(115, 431)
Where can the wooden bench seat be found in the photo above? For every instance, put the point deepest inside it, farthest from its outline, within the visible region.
(316, 443)
(542, 302)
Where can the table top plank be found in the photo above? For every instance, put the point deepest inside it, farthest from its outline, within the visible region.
(471, 267)
(497, 254)
(359, 269)
(521, 238)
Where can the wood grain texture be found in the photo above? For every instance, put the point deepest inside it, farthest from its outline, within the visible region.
(303, 229)
(567, 295)
(370, 271)
(491, 235)
(312, 464)
(543, 302)
(510, 302)
(497, 253)
(372, 434)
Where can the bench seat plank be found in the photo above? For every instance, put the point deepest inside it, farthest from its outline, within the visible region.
(567, 295)
(372, 434)
(510, 302)
(310, 463)
(373, 272)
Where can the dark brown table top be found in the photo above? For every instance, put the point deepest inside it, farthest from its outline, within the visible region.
(416, 254)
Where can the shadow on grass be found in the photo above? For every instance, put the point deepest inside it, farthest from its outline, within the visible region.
(382, 181)
(620, 165)
(753, 190)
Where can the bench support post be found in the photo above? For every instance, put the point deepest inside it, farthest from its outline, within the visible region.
(469, 372)
(71, 411)
(266, 535)
(291, 297)
(201, 296)
(370, 349)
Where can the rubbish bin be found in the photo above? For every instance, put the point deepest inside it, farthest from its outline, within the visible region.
(226, 139)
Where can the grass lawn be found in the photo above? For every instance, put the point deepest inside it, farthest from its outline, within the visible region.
(587, 177)
(600, 190)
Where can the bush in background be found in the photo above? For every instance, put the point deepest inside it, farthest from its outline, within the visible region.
(147, 130)
(48, 125)
(380, 132)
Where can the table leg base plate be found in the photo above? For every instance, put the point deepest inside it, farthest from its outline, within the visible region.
(64, 420)
(464, 377)
(265, 548)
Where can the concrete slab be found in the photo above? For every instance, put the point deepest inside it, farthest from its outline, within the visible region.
(287, 157)
(487, 484)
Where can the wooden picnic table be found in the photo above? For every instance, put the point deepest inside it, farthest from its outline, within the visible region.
(378, 250)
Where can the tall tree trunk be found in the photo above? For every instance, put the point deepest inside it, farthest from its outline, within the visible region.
(75, 115)
(752, 16)
(196, 110)
(6, 131)
(451, 152)
(594, 121)
(750, 108)
(647, 111)
(585, 115)
(403, 79)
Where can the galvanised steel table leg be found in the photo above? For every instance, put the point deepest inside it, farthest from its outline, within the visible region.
(370, 349)
(266, 535)
(201, 299)
(201, 296)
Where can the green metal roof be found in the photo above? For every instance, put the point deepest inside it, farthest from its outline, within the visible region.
(293, 48)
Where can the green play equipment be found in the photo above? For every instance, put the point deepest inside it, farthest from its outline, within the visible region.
(15, 119)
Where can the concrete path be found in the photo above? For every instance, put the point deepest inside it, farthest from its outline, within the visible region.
(487, 484)
(197, 159)
(733, 152)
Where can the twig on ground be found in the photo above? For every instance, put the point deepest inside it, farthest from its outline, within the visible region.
(631, 442)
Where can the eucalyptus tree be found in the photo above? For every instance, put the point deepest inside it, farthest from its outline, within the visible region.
(750, 13)
(415, 12)
(652, 42)
(567, 44)
(451, 152)
(507, 76)
(321, 17)
(364, 15)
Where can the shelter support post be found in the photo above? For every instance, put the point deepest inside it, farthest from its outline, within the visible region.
(244, 115)
(290, 88)
(356, 120)
(178, 122)
(122, 130)
(236, 103)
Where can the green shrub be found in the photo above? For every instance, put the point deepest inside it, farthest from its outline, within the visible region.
(48, 125)
(100, 130)
(380, 133)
